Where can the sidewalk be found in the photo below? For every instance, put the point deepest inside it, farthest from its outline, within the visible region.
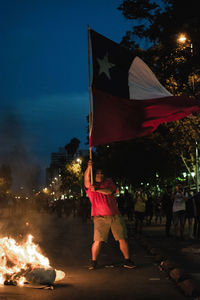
(179, 259)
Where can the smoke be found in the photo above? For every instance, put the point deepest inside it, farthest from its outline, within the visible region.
(16, 151)
(60, 239)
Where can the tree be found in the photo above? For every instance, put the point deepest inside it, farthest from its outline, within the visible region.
(160, 23)
(176, 65)
(72, 147)
(138, 161)
(72, 178)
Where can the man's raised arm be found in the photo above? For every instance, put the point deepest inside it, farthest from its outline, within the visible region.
(87, 175)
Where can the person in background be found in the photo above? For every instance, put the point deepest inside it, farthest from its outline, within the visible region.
(190, 212)
(129, 205)
(158, 210)
(178, 209)
(196, 203)
(83, 209)
(59, 207)
(167, 204)
(106, 215)
(120, 204)
(149, 209)
(140, 200)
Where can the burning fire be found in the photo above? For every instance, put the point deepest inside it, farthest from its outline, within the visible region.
(18, 261)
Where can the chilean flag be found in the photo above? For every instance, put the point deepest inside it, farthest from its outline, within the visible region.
(128, 100)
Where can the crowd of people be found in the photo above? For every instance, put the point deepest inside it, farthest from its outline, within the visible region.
(19, 206)
(177, 208)
(111, 210)
(174, 208)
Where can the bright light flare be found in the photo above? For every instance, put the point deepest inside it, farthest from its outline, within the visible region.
(182, 38)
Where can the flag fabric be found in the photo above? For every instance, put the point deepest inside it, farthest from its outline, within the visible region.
(128, 100)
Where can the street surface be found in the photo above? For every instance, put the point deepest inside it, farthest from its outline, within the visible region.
(67, 242)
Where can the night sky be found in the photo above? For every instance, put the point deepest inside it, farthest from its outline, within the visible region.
(44, 73)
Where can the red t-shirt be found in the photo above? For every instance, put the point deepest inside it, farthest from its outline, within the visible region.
(103, 205)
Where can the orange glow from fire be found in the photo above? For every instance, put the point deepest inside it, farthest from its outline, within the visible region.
(17, 259)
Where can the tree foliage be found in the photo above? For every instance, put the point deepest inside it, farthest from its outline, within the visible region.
(170, 150)
(139, 161)
(71, 171)
(176, 65)
(72, 176)
(72, 146)
(160, 23)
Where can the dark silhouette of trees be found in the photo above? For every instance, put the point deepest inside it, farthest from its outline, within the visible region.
(160, 24)
(162, 156)
(139, 161)
(72, 147)
(176, 65)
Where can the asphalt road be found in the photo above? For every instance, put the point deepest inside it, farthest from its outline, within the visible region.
(66, 242)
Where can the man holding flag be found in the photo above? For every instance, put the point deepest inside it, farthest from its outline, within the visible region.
(106, 215)
(128, 102)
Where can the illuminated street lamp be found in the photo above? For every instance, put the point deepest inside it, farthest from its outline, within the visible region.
(79, 161)
(182, 38)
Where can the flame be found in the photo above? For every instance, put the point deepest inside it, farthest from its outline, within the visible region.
(18, 259)
(21, 281)
(59, 275)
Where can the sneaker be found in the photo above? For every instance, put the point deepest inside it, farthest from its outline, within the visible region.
(93, 265)
(129, 264)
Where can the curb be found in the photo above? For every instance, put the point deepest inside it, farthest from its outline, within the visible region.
(183, 281)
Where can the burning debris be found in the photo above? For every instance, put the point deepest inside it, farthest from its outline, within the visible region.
(23, 263)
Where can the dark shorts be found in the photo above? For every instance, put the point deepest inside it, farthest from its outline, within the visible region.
(103, 225)
(179, 216)
(139, 215)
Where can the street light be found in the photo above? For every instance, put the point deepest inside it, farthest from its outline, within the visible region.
(79, 161)
(182, 38)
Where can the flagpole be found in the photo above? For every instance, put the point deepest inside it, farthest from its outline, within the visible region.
(90, 110)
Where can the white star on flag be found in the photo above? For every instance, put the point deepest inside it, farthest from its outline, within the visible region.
(105, 66)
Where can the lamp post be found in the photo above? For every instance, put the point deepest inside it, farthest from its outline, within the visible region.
(197, 166)
(183, 39)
